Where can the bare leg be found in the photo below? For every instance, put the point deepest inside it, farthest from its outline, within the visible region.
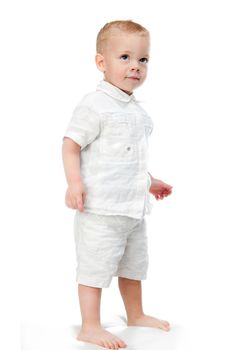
(92, 331)
(131, 292)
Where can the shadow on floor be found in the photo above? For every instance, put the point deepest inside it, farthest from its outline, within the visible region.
(63, 337)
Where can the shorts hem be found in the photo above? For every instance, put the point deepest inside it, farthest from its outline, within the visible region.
(131, 276)
(92, 283)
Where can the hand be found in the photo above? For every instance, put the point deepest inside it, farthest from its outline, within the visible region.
(75, 196)
(160, 189)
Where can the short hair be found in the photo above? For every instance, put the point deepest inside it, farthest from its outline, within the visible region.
(124, 25)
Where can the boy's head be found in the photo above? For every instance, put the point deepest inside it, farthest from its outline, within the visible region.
(122, 54)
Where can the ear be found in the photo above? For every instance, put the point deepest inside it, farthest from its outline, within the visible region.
(100, 62)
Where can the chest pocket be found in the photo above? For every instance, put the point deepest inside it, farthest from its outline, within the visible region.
(118, 137)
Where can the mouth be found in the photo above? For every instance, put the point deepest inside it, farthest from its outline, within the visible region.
(133, 78)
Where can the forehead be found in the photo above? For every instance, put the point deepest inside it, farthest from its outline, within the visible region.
(133, 42)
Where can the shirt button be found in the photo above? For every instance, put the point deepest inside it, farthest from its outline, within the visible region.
(128, 148)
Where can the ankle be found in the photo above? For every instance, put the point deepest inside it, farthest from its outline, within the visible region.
(87, 326)
(134, 317)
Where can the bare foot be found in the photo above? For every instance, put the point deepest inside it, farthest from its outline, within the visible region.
(101, 337)
(149, 321)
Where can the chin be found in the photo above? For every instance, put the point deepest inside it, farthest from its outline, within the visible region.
(131, 87)
(127, 91)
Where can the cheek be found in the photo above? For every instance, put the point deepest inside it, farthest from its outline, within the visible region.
(115, 67)
(144, 73)
(145, 70)
(120, 71)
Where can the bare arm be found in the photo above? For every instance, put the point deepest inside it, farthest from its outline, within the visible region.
(75, 194)
(71, 160)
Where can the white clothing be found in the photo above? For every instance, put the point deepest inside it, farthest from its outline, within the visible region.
(108, 246)
(112, 130)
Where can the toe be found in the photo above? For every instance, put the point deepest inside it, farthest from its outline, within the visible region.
(101, 343)
(106, 344)
(116, 346)
(111, 344)
(122, 344)
(114, 343)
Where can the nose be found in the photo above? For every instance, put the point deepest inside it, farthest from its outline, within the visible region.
(134, 66)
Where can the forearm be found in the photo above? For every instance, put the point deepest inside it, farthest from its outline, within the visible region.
(71, 161)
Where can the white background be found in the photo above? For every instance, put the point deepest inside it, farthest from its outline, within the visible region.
(196, 93)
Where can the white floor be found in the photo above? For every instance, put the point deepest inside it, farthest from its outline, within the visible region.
(62, 337)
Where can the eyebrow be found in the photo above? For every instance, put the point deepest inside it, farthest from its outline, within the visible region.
(127, 51)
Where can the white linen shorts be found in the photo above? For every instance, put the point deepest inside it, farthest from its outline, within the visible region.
(107, 246)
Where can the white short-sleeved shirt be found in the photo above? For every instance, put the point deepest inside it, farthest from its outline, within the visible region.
(112, 130)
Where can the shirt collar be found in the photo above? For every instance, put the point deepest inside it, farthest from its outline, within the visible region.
(115, 92)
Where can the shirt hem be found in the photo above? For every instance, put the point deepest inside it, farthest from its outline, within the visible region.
(104, 212)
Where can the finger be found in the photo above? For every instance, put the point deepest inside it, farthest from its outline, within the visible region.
(167, 188)
(74, 203)
(80, 204)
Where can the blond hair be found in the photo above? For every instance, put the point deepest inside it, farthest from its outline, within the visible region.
(126, 26)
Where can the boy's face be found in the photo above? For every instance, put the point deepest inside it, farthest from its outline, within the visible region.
(124, 60)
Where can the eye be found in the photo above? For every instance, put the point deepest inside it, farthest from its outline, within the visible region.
(144, 59)
(124, 57)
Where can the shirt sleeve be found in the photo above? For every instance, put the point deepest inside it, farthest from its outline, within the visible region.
(84, 126)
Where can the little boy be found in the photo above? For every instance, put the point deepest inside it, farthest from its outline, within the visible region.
(105, 160)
